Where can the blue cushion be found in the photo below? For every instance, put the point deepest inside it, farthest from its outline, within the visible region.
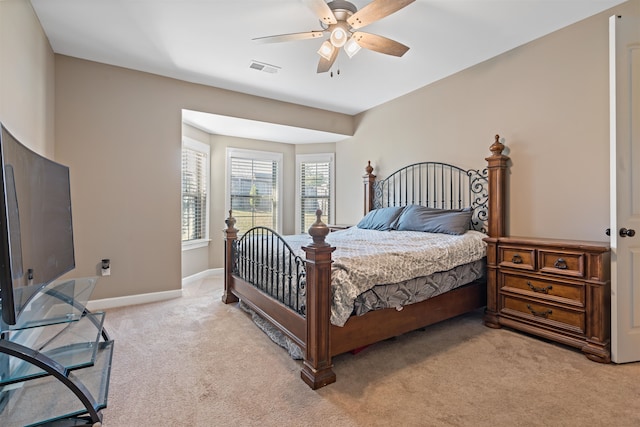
(382, 219)
(422, 218)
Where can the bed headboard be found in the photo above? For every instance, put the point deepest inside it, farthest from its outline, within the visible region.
(436, 185)
(443, 186)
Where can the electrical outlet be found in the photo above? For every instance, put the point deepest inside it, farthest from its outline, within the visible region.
(105, 267)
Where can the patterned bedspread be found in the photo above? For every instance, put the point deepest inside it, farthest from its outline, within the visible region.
(366, 258)
(398, 295)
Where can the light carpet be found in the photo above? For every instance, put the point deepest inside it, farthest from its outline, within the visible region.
(194, 361)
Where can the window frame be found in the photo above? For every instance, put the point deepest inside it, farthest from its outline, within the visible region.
(256, 155)
(192, 144)
(315, 158)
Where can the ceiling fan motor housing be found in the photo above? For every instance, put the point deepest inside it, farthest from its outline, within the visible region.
(337, 5)
(342, 10)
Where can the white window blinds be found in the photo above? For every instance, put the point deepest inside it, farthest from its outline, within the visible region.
(315, 189)
(253, 189)
(195, 176)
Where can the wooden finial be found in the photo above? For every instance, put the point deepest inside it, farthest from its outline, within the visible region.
(369, 168)
(231, 222)
(318, 231)
(497, 147)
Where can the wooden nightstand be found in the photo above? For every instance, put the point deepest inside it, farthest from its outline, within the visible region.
(556, 289)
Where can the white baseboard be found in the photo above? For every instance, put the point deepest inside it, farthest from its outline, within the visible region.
(106, 303)
(103, 304)
(202, 275)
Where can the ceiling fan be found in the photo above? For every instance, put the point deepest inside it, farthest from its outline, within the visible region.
(339, 19)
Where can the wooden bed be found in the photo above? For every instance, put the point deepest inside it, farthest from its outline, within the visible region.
(309, 325)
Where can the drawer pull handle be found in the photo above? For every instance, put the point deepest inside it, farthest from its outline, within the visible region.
(561, 264)
(544, 290)
(516, 259)
(544, 314)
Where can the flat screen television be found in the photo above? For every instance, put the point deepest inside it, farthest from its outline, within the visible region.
(36, 232)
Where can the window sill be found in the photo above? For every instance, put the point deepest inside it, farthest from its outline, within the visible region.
(195, 244)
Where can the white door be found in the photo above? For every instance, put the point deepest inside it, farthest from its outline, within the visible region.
(624, 58)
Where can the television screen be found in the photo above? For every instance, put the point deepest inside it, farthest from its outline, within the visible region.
(36, 233)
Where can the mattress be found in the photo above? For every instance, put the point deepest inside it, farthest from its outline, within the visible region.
(365, 259)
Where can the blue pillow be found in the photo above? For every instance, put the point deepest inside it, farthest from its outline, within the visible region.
(422, 218)
(382, 219)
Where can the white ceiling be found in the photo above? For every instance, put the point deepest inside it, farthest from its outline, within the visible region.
(210, 42)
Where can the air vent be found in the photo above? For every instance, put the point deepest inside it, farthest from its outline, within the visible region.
(261, 66)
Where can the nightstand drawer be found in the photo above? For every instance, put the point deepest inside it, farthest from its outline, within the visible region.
(563, 292)
(566, 263)
(517, 257)
(550, 315)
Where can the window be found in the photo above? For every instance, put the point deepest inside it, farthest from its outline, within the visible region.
(195, 193)
(315, 189)
(253, 188)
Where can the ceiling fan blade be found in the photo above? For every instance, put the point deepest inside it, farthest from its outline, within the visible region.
(324, 65)
(322, 11)
(375, 11)
(380, 44)
(290, 37)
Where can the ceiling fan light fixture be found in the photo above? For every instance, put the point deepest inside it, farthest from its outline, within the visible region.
(326, 50)
(338, 37)
(352, 47)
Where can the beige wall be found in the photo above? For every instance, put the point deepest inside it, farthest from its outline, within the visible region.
(547, 99)
(26, 77)
(120, 131)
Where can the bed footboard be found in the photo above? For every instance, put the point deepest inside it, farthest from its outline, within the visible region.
(291, 293)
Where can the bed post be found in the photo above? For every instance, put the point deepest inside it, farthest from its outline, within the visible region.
(317, 367)
(230, 236)
(369, 180)
(497, 167)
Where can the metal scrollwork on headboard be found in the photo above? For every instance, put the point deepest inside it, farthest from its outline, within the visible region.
(437, 185)
(479, 187)
(377, 194)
